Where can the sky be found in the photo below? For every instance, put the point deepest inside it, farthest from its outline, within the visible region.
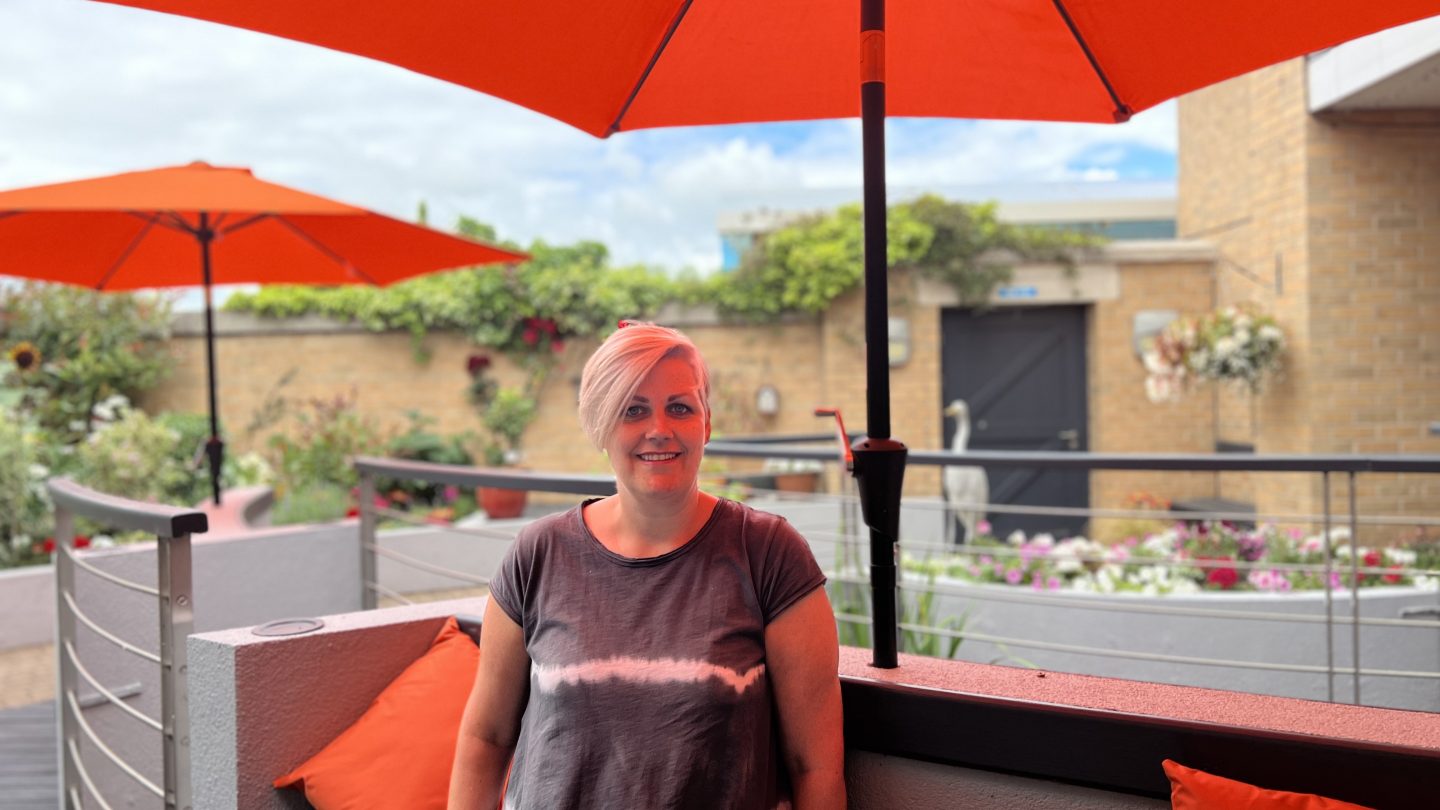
(91, 89)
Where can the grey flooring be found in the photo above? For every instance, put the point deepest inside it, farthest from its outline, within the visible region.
(28, 778)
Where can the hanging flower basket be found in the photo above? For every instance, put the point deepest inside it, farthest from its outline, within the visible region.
(1234, 344)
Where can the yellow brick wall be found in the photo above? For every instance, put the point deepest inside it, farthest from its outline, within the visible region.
(811, 362)
(1122, 419)
(1334, 226)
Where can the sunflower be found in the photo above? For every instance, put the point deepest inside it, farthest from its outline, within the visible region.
(24, 355)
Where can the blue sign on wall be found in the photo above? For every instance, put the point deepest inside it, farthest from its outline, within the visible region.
(1018, 292)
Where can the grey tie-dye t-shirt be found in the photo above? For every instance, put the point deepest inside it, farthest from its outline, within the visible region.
(648, 686)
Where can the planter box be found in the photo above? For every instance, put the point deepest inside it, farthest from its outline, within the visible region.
(1067, 621)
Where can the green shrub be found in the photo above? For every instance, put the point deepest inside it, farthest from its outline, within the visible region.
(134, 457)
(70, 349)
(330, 433)
(316, 502)
(25, 510)
(419, 443)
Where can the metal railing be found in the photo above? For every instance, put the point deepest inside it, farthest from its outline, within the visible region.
(373, 469)
(172, 528)
(1333, 619)
(1323, 465)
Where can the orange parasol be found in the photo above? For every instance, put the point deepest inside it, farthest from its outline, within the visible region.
(610, 65)
(201, 224)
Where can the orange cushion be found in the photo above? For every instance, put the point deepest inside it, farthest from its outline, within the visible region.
(398, 754)
(1197, 790)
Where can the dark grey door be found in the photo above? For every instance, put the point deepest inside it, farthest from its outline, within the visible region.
(1022, 372)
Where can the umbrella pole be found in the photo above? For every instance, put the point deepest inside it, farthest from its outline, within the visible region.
(879, 459)
(214, 447)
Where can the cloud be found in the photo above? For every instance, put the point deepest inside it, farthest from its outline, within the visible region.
(87, 88)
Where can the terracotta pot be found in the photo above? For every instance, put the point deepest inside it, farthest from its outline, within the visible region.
(502, 503)
(797, 482)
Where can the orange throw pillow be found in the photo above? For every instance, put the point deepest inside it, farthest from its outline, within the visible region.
(398, 754)
(1197, 790)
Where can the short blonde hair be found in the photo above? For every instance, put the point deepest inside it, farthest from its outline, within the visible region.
(615, 370)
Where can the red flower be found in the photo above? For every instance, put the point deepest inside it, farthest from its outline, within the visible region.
(476, 363)
(82, 542)
(48, 547)
(532, 336)
(1372, 559)
(353, 511)
(1393, 579)
(1221, 577)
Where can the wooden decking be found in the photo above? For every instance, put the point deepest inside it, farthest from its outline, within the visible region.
(28, 777)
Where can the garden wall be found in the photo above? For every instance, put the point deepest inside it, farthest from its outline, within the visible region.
(809, 361)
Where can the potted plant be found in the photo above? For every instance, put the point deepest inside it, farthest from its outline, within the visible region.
(506, 415)
(1239, 345)
(794, 474)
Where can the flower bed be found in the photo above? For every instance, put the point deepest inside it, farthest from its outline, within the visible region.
(1184, 558)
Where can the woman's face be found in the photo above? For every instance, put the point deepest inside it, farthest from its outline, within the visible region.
(657, 447)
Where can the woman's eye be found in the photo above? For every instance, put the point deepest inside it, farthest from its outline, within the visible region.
(679, 408)
(634, 411)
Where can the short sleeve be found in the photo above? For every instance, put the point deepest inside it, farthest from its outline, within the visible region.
(788, 570)
(508, 585)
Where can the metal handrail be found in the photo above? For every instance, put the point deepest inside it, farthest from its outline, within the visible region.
(114, 699)
(172, 527)
(106, 634)
(107, 576)
(114, 758)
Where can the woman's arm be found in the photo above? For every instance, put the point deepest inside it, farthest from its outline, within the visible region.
(491, 722)
(803, 658)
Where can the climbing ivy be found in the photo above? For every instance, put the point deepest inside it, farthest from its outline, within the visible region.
(567, 291)
(804, 266)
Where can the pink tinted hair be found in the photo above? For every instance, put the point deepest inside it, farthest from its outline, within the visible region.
(615, 370)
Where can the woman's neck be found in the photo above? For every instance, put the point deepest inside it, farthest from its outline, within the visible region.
(636, 526)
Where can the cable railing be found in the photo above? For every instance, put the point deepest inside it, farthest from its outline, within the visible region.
(844, 528)
(173, 595)
(1344, 567)
(372, 470)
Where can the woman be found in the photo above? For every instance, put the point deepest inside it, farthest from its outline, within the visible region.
(659, 648)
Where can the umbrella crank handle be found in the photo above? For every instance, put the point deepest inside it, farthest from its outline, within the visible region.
(847, 457)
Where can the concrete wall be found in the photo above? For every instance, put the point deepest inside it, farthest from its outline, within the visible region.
(27, 599)
(249, 725)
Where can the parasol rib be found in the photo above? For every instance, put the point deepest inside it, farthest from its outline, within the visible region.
(650, 66)
(1122, 111)
(125, 254)
(330, 254)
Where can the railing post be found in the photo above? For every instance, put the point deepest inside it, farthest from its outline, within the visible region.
(369, 568)
(1325, 587)
(66, 678)
(1355, 587)
(177, 621)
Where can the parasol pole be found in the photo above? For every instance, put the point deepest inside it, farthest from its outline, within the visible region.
(879, 459)
(214, 447)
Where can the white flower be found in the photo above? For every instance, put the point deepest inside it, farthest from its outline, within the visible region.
(1226, 347)
(1271, 334)
(1016, 538)
(1183, 585)
(1043, 540)
(1400, 556)
(1160, 389)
